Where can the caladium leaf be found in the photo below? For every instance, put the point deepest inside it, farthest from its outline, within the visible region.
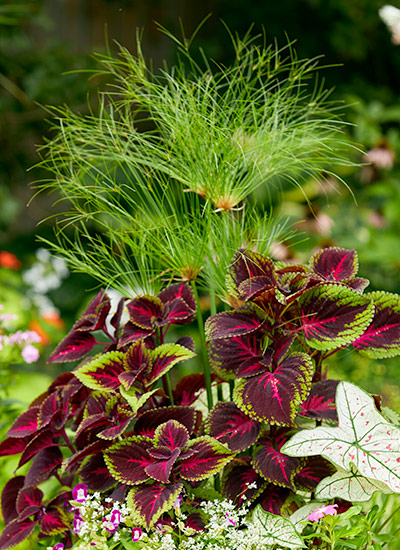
(351, 486)
(15, 532)
(320, 402)
(74, 346)
(228, 354)
(102, 373)
(335, 264)
(164, 357)
(147, 422)
(127, 460)
(274, 466)
(333, 315)
(244, 320)
(26, 424)
(9, 498)
(149, 502)
(145, 311)
(228, 424)
(240, 482)
(209, 458)
(382, 337)
(273, 396)
(276, 530)
(363, 438)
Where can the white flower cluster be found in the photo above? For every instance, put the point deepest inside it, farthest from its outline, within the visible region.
(391, 17)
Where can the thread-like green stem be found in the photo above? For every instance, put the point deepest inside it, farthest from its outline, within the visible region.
(168, 387)
(206, 363)
(213, 311)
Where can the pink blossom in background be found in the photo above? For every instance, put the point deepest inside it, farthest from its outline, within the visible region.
(329, 510)
(30, 354)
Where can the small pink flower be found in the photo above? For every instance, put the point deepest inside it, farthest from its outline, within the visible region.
(160, 527)
(79, 492)
(30, 354)
(58, 546)
(228, 520)
(78, 524)
(329, 510)
(136, 534)
(112, 524)
(178, 502)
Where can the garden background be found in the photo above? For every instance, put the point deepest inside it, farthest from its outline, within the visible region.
(45, 49)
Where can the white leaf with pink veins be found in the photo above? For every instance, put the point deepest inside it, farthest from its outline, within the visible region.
(363, 438)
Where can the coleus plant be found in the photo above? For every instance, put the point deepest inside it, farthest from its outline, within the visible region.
(118, 424)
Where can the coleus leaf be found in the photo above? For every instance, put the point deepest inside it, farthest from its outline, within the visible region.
(188, 389)
(149, 502)
(363, 438)
(312, 471)
(209, 458)
(26, 424)
(127, 460)
(176, 312)
(335, 264)
(164, 357)
(181, 291)
(53, 521)
(102, 373)
(135, 398)
(228, 424)
(274, 396)
(227, 324)
(275, 499)
(161, 467)
(29, 498)
(74, 346)
(351, 486)
(9, 498)
(145, 311)
(13, 445)
(137, 361)
(228, 354)
(94, 473)
(45, 463)
(240, 481)
(15, 532)
(147, 422)
(274, 466)
(94, 316)
(172, 435)
(382, 337)
(320, 403)
(333, 315)
(247, 264)
(132, 333)
(276, 530)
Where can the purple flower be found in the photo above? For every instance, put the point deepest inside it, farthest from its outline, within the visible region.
(136, 534)
(30, 354)
(329, 510)
(79, 492)
(178, 502)
(78, 524)
(112, 524)
(58, 546)
(228, 520)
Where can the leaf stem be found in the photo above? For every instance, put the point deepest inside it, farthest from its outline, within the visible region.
(213, 311)
(206, 363)
(67, 441)
(168, 387)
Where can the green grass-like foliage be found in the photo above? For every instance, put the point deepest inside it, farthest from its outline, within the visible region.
(160, 183)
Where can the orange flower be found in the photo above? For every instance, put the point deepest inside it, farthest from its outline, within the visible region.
(9, 261)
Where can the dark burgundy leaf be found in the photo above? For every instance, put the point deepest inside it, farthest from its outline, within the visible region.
(90, 422)
(186, 342)
(382, 338)
(274, 499)
(160, 470)
(188, 389)
(15, 532)
(228, 354)
(321, 401)
(147, 423)
(247, 264)
(314, 469)
(53, 407)
(171, 434)
(335, 264)
(29, 497)
(94, 316)
(45, 463)
(13, 445)
(95, 474)
(179, 290)
(44, 439)
(132, 333)
(209, 458)
(358, 283)
(137, 361)
(117, 430)
(256, 287)
(240, 482)
(228, 424)
(127, 460)
(9, 498)
(53, 521)
(195, 521)
(151, 501)
(116, 318)
(244, 320)
(333, 315)
(177, 312)
(145, 312)
(275, 466)
(26, 424)
(102, 372)
(274, 396)
(97, 447)
(74, 346)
